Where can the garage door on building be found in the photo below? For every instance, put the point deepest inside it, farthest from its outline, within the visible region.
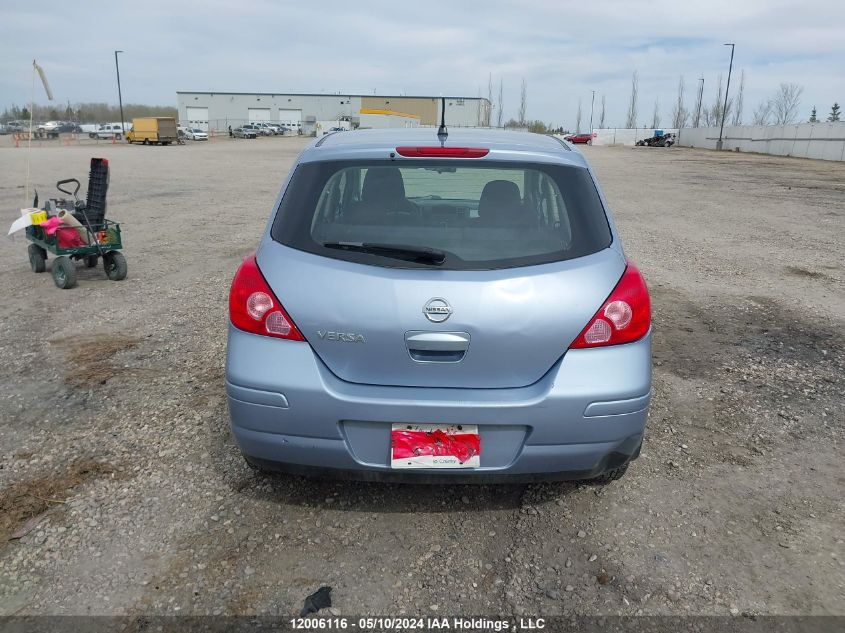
(291, 117)
(259, 114)
(197, 117)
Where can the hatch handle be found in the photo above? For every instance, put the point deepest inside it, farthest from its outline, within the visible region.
(437, 341)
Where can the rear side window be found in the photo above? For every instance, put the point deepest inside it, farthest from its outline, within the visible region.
(477, 216)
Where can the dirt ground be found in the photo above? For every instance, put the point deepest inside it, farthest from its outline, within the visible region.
(735, 505)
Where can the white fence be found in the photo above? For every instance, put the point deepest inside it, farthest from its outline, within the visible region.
(626, 136)
(806, 140)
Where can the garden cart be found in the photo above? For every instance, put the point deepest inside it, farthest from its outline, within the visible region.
(76, 230)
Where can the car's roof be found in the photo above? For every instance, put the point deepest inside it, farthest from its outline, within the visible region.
(501, 143)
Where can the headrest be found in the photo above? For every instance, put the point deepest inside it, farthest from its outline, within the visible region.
(383, 184)
(500, 199)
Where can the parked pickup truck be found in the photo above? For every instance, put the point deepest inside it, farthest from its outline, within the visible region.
(109, 130)
(154, 130)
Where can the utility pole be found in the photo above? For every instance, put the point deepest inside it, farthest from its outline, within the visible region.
(592, 104)
(727, 90)
(119, 96)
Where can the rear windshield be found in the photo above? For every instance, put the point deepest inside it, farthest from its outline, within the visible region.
(470, 215)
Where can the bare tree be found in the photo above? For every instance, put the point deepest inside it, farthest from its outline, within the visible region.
(679, 110)
(500, 111)
(711, 115)
(715, 115)
(737, 105)
(489, 99)
(697, 121)
(762, 113)
(523, 98)
(785, 103)
(601, 116)
(479, 120)
(578, 119)
(655, 117)
(631, 120)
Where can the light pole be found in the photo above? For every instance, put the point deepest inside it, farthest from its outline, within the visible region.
(727, 89)
(592, 103)
(119, 96)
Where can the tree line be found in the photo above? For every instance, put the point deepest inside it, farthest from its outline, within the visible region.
(781, 108)
(496, 112)
(85, 112)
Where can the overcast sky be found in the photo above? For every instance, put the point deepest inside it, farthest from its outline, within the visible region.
(564, 50)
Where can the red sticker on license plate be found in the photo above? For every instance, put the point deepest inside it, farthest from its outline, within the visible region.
(435, 446)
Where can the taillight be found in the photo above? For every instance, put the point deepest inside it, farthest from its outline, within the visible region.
(443, 152)
(625, 316)
(254, 308)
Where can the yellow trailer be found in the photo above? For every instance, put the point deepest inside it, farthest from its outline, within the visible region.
(153, 130)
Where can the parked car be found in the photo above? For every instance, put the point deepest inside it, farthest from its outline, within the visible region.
(15, 127)
(49, 126)
(658, 140)
(244, 132)
(47, 129)
(67, 126)
(196, 134)
(579, 138)
(259, 131)
(468, 314)
(291, 128)
(269, 129)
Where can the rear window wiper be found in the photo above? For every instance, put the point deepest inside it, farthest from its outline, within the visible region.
(395, 251)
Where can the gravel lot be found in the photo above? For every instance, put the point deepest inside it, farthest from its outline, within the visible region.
(114, 436)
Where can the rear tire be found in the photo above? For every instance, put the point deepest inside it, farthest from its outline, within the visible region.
(610, 476)
(90, 261)
(114, 264)
(37, 258)
(64, 273)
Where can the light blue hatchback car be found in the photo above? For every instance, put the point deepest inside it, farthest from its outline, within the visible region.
(440, 309)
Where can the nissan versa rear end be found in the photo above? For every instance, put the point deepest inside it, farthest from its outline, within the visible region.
(440, 309)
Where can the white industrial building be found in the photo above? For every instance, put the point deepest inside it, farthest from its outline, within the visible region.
(310, 113)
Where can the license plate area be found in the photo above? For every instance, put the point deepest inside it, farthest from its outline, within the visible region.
(435, 446)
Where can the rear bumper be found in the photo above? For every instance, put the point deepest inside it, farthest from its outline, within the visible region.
(535, 463)
(587, 415)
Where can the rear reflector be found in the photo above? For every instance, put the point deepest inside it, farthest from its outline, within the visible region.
(254, 308)
(443, 152)
(625, 316)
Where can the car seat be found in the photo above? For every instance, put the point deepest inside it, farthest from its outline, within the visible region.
(383, 199)
(501, 205)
